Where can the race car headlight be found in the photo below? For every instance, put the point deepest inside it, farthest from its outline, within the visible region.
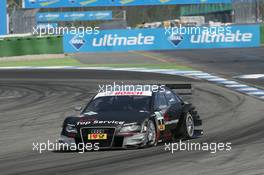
(131, 128)
(71, 128)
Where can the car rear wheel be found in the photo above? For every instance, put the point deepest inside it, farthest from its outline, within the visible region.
(187, 127)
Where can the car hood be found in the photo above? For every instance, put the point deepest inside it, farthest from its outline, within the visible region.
(115, 118)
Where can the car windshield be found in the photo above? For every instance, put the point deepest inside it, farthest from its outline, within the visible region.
(119, 103)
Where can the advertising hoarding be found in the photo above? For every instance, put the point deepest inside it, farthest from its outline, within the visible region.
(73, 16)
(89, 3)
(162, 39)
(3, 17)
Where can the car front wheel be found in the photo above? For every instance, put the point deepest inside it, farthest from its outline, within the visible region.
(151, 134)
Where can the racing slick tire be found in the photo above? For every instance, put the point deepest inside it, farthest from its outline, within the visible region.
(151, 134)
(187, 126)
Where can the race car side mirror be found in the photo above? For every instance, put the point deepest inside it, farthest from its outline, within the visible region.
(77, 108)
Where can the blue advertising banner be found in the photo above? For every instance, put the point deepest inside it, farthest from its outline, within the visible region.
(89, 3)
(74, 16)
(3, 17)
(164, 39)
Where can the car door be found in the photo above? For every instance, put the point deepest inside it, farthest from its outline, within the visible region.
(160, 108)
(174, 109)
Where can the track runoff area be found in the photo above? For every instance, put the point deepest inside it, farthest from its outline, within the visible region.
(37, 102)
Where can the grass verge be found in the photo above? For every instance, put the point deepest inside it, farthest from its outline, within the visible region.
(73, 62)
(42, 63)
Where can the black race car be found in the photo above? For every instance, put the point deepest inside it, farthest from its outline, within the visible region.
(125, 119)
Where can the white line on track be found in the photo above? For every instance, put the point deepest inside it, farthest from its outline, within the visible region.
(249, 89)
(256, 93)
(236, 85)
(250, 76)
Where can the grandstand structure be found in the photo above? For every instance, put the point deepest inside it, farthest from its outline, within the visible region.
(211, 12)
(248, 11)
(240, 11)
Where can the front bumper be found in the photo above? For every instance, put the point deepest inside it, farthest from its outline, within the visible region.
(119, 141)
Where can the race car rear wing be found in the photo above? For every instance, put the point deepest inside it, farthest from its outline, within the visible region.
(181, 89)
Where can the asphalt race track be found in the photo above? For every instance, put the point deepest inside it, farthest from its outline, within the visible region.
(229, 62)
(33, 105)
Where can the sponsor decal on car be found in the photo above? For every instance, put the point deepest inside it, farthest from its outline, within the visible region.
(94, 122)
(123, 93)
(128, 93)
(160, 120)
(161, 127)
(100, 136)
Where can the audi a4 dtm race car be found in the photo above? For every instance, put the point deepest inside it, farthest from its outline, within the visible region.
(127, 119)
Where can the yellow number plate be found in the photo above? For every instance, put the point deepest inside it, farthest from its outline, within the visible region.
(97, 136)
